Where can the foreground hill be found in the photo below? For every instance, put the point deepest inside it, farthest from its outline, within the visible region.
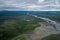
(13, 24)
(16, 25)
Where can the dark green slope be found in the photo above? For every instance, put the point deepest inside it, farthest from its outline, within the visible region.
(13, 24)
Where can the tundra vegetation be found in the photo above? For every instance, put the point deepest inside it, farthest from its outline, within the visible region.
(14, 23)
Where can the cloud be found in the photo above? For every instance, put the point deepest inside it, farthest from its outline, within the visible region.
(30, 4)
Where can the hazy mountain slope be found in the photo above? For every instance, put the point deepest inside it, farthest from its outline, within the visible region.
(18, 25)
(12, 25)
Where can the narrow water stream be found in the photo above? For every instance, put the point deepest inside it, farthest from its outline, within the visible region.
(43, 30)
(55, 24)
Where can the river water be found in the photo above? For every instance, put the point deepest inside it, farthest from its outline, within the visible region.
(43, 30)
(55, 24)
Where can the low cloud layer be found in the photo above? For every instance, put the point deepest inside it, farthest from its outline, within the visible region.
(30, 4)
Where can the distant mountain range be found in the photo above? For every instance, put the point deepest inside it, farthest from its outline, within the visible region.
(31, 12)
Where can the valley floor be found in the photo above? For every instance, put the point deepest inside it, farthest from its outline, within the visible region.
(39, 32)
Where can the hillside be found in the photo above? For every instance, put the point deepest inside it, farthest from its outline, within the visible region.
(17, 25)
(13, 24)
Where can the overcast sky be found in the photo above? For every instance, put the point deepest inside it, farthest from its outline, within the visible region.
(30, 4)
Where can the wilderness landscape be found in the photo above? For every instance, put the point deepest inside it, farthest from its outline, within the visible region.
(29, 25)
(29, 19)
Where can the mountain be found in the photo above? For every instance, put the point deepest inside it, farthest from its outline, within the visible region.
(17, 24)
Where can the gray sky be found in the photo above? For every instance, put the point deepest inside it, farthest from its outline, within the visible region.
(29, 4)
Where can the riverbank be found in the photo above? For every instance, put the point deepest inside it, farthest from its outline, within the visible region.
(44, 30)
